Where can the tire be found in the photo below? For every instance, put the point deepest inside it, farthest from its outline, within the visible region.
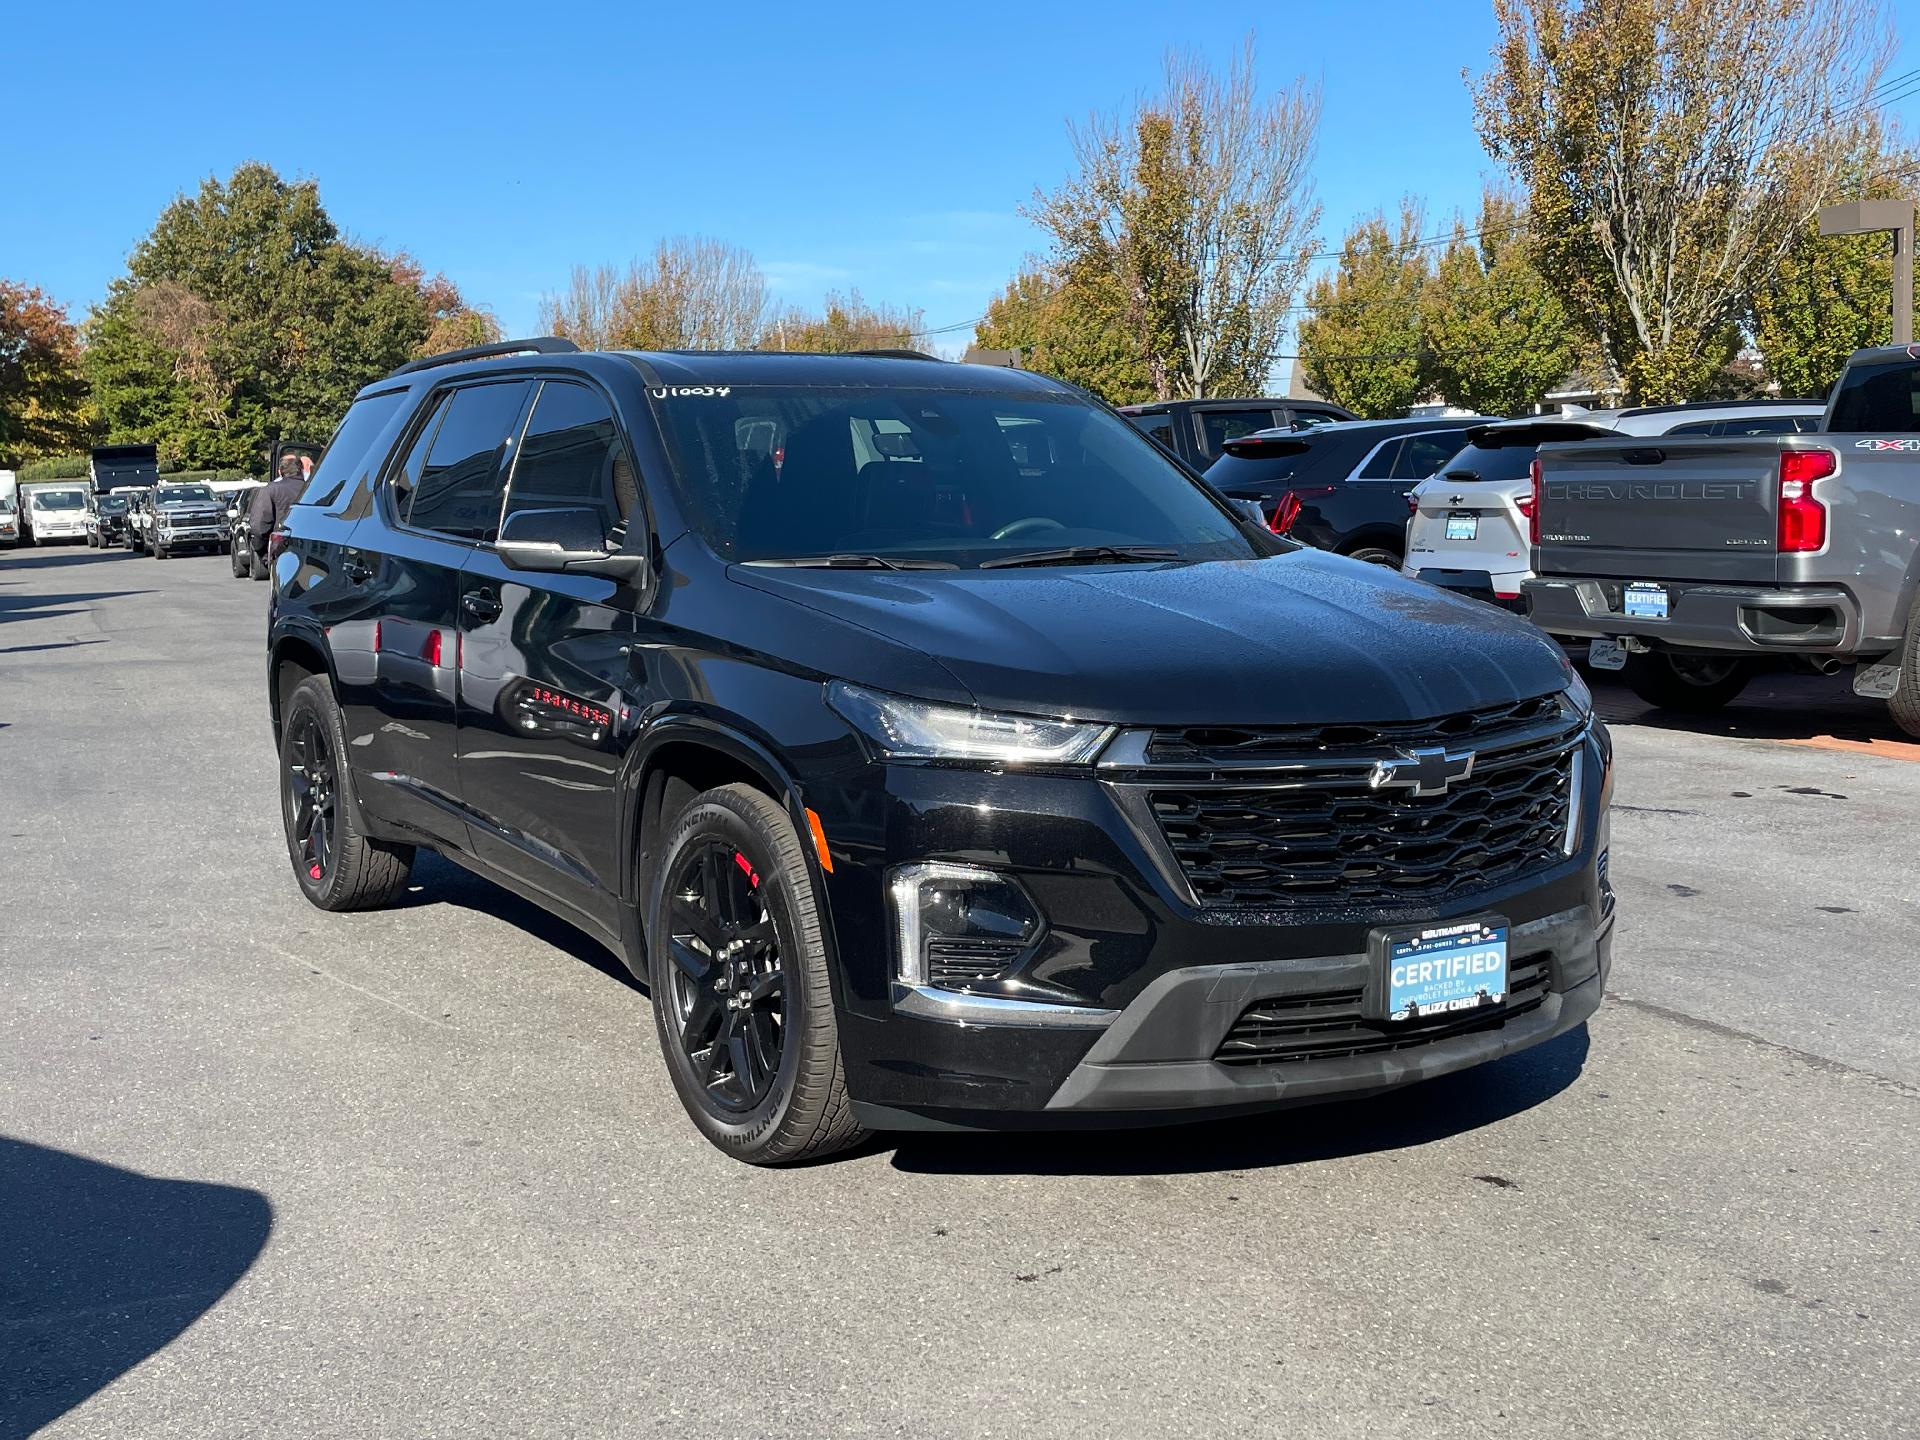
(1375, 555)
(1689, 684)
(235, 563)
(256, 565)
(1904, 704)
(91, 541)
(732, 866)
(336, 865)
(160, 551)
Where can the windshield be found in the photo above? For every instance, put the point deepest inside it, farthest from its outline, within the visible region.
(59, 500)
(112, 504)
(1495, 463)
(176, 494)
(934, 476)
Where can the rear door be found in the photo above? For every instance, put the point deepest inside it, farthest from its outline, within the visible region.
(544, 659)
(439, 499)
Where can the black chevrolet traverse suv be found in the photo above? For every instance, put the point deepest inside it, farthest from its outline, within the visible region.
(936, 750)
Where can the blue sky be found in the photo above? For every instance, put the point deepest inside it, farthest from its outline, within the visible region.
(885, 147)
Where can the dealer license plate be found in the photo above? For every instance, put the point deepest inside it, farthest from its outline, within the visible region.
(1644, 602)
(1444, 969)
(1463, 527)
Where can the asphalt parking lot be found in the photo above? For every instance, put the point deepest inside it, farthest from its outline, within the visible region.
(420, 1173)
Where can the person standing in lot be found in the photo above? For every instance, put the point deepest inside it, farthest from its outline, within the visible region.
(270, 503)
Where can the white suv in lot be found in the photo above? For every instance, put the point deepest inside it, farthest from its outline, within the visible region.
(1472, 523)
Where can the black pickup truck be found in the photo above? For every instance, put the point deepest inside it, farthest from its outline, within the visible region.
(1197, 431)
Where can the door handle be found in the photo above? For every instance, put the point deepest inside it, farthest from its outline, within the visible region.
(482, 606)
(356, 572)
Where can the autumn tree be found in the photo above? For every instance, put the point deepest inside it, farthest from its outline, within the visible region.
(44, 407)
(1361, 339)
(1671, 152)
(1071, 327)
(245, 316)
(1496, 336)
(1194, 209)
(847, 322)
(691, 293)
(1830, 295)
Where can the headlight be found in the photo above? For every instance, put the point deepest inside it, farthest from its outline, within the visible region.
(903, 729)
(1578, 696)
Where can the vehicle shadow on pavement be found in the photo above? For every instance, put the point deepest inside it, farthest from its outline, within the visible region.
(1399, 1120)
(1772, 707)
(47, 560)
(54, 607)
(102, 1267)
(438, 881)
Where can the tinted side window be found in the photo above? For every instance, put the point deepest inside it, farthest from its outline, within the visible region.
(1220, 426)
(572, 456)
(1157, 427)
(346, 454)
(1307, 419)
(1758, 425)
(1422, 455)
(1380, 467)
(458, 489)
(1879, 397)
(1698, 427)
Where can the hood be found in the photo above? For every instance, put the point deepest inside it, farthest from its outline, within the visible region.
(1302, 638)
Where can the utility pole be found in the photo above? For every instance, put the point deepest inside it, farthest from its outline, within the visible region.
(1869, 217)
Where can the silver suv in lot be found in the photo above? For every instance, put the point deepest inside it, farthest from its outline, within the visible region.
(1474, 522)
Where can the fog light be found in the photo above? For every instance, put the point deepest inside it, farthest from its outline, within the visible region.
(960, 921)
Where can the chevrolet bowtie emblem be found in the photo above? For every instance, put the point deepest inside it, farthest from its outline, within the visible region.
(1425, 772)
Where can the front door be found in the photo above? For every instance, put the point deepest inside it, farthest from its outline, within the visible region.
(398, 661)
(544, 669)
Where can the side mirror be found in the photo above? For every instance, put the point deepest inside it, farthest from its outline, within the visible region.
(564, 542)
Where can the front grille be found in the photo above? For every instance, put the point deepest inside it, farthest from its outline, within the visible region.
(1328, 1024)
(1319, 832)
(956, 964)
(1227, 745)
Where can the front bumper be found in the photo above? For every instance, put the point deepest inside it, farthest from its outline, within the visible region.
(1136, 985)
(1755, 619)
(192, 535)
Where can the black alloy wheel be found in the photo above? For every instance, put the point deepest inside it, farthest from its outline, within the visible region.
(312, 792)
(729, 982)
(737, 967)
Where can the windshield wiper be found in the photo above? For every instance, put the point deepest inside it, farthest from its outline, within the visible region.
(852, 562)
(1083, 555)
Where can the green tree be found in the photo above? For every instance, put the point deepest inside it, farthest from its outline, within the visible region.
(847, 322)
(1671, 152)
(1497, 337)
(691, 293)
(1073, 329)
(1361, 342)
(1194, 213)
(44, 408)
(245, 317)
(1831, 295)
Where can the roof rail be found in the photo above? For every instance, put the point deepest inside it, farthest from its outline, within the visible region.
(895, 355)
(544, 345)
(1759, 404)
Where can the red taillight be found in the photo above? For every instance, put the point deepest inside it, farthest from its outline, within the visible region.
(1288, 510)
(430, 652)
(1530, 506)
(1803, 519)
(276, 542)
(1285, 513)
(1413, 503)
